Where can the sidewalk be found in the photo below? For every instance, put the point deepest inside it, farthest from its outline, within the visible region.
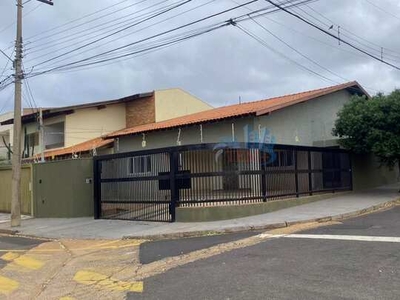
(337, 207)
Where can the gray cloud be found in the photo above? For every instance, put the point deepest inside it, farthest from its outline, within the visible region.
(218, 67)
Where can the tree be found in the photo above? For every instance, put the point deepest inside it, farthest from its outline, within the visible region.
(371, 126)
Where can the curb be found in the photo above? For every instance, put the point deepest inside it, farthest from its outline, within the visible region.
(9, 231)
(238, 229)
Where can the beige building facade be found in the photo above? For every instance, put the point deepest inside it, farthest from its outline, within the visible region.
(70, 127)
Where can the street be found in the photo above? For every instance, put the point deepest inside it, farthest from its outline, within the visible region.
(355, 259)
(291, 268)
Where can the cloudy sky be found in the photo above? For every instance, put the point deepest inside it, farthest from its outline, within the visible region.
(218, 67)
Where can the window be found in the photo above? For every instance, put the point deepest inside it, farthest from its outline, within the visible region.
(33, 139)
(283, 158)
(139, 165)
(54, 135)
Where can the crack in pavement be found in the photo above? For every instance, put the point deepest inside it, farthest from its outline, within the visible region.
(56, 272)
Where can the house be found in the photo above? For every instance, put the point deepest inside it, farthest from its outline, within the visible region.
(302, 119)
(75, 130)
(239, 154)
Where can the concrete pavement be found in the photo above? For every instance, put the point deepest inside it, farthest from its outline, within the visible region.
(339, 206)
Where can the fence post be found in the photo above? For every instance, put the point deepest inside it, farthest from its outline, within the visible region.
(173, 184)
(263, 169)
(296, 174)
(310, 189)
(96, 188)
(350, 171)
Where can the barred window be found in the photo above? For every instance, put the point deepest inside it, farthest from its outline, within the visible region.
(139, 165)
(283, 158)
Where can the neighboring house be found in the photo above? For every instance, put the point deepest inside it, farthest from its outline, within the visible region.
(76, 130)
(6, 136)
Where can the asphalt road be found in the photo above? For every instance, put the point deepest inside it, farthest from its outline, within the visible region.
(153, 251)
(322, 266)
(9, 243)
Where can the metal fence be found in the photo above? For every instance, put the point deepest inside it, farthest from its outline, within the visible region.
(149, 185)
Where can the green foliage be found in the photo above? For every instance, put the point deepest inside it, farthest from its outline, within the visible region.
(371, 125)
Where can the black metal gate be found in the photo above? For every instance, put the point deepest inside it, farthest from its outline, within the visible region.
(149, 185)
(135, 186)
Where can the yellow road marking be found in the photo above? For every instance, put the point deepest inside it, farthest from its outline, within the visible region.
(103, 281)
(10, 256)
(97, 247)
(67, 298)
(28, 262)
(7, 285)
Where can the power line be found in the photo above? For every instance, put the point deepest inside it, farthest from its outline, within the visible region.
(7, 100)
(357, 36)
(156, 35)
(139, 30)
(116, 32)
(84, 23)
(9, 58)
(294, 49)
(130, 54)
(146, 17)
(299, 52)
(263, 43)
(341, 32)
(30, 94)
(13, 23)
(332, 35)
(84, 33)
(384, 10)
(6, 82)
(78, 19)
(261, 12)
(5, 67)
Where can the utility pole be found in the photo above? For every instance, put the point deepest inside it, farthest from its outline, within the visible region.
(16, 154)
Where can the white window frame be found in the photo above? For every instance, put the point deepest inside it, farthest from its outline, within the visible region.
(131, 165)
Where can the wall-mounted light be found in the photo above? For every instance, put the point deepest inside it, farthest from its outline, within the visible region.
(144, 143)
(178, 140)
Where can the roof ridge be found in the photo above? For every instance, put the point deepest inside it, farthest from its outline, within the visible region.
(296, 94)
(224, 112)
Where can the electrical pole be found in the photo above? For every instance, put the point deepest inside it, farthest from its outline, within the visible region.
(16, 154)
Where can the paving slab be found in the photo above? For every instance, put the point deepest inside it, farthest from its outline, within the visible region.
(339, 206)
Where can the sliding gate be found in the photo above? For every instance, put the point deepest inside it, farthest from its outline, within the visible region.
(149, 185)
(134, 186)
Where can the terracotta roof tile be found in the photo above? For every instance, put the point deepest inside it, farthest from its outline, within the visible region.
(82, 147)
(251, 108)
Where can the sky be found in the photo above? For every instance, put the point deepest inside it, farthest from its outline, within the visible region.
(221, 67)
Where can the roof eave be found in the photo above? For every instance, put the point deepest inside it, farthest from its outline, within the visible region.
(48, 113)
(112, 136)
